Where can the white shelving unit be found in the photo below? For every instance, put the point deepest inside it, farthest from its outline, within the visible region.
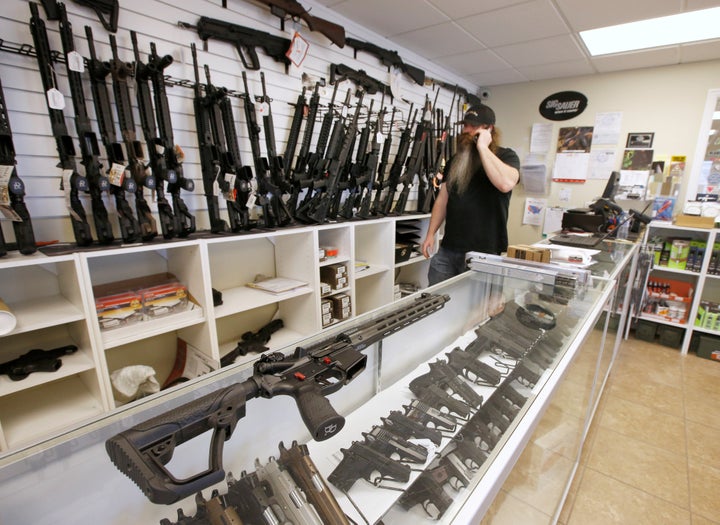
(705, 286)
(52, 298)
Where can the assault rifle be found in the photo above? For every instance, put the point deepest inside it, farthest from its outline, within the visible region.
(340, 72)
(184, 220)
(107, 11)
(469, 97)
(301, 107)
(355, 173)
(299, 176)
(366, 180)
(268, 194)
(438, 162)
(121, 72)
(388, 58)
(157, 160)
(12, 186)
(89, 148)
(308, 375)
(209, 154)
(119, 183)
(294, 10)
(276, 167)
(382, 168)
(63, 141)
(397, 166)
(36, 360)
(244, 39)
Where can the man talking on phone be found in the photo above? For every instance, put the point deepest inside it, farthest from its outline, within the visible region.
(473, 198)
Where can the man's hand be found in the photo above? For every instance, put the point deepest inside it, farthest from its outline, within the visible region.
(428, 244)
(483, 138)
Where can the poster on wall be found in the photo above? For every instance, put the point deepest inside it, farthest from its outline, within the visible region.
(571, 167)
(634, 174)
(575, 139)
(607, 128)
(534, 211)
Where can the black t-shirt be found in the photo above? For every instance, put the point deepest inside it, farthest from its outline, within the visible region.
(477, 219)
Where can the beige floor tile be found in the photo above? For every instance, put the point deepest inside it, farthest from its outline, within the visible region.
(643, 423)
(660, 396)
(508, 510)
(702, 442)
(697, 369)
(701, 401)
(704, 483)
(602, 500)
(700, 520)
(635, 463)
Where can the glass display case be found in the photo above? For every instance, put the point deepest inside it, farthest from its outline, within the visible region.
(511, 344)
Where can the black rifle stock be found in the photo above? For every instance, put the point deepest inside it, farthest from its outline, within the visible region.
(119, 183)
(63, 140)
(121, 73)
(89, 150)
(294, 10)
(22, 226)
(340, 72)
(308, 376)
(154, 145)
(107, 11)
(244, 39)
(388, 58)
(184, 220)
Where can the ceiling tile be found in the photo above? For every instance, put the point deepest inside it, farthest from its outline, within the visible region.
(497, 78)
(438, 41)
(517, 23)
(557, 70)
(654, 58)
(390, 18)
(561, 48)
(461, 8)
(582, 15)
(474, 62)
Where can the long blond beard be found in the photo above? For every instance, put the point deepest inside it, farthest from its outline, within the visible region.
(464, 164)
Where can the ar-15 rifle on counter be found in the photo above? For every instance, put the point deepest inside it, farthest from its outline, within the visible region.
(308, 375)
(157, 160)
(36, 360)
(119, 183)
(340, 72)
(209, 153)
(88, 140)
(269, 196)
(184, 220)
(121, 72)
(72, 182)
(12, 189)
(293, 9)
(244, 39)
(388, 58)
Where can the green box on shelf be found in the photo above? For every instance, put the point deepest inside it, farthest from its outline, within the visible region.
(670, 336)
(646, 330)
(706, 346)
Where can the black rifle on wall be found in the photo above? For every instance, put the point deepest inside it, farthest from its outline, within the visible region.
(89, 148)
(244, 39)
(121, 73)
(72, 182)
(119, 183)
(382, 168)
(396, 169)
(184, 220)
(14, 199)
(157, 160)
(308, 375)
(388, 58)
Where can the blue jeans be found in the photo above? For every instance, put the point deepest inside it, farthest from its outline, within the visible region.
(445, 264)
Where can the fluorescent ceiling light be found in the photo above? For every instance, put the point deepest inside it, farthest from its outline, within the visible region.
(664, 31)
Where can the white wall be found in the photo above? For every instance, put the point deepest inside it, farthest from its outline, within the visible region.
(668, 101)
(156, 20)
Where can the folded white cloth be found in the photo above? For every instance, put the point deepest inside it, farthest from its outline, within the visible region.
(133, 382)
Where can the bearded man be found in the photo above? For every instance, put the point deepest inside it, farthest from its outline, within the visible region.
(474, 197)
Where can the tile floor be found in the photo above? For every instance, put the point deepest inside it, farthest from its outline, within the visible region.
(651, 456)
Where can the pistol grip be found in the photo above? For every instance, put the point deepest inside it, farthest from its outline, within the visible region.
(319, 416)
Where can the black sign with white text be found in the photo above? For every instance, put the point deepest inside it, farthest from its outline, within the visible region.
(563, 105)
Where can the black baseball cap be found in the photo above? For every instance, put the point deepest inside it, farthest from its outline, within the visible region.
(479, 115)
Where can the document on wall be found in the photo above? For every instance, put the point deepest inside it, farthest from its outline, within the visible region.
(553, 220)
(541, 138)
(602, 163)
(534, 178)
(571, 167)
(534, 211)
(607, 128)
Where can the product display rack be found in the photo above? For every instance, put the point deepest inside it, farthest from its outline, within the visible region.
(52, 299)
(704, 285)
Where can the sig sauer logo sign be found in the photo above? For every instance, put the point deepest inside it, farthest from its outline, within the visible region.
(563, 105)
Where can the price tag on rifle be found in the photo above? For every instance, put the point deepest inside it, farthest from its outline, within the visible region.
(231, 193)
(380, 137)
(116, 175)
(56, 100)
(75, 62)
(5, 173)
(298, 49)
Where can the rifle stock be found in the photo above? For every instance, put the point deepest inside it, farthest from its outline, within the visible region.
(293, 9)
